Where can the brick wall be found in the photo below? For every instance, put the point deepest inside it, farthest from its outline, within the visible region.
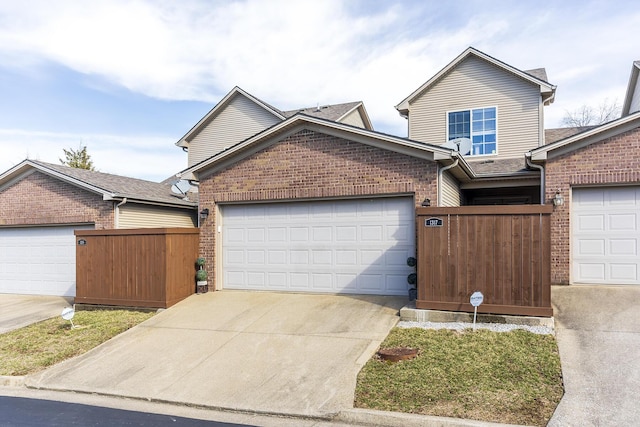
(41, 199)
(615, 160)
(309, 165)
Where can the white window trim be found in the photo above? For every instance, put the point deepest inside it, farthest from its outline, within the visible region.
(457, 110)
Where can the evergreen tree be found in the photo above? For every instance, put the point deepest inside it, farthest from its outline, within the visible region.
(78, 158)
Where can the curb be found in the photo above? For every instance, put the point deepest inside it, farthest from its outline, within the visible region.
(9, 381)
(399, 419)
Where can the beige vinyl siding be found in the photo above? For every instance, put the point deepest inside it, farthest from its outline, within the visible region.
(237, 121)
(475, 83)
(144, 216)
(635, 99)
(450, 190)
(353, 118)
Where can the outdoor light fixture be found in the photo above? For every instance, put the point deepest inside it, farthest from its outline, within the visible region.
(426, 202)
(204, 213)
(558, 200)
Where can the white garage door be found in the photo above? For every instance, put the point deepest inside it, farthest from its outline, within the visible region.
(606, 235)
(353, 246)
(38, 260)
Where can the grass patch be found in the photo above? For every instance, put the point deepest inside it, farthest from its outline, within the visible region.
(509, 377)
(35, 347)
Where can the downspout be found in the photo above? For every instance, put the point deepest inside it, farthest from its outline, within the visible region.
(440, 173)
(527, 158)
(117, 213)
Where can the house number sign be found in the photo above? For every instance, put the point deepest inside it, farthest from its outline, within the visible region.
(433, 222)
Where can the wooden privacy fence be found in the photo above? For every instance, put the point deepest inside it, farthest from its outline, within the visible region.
(502, 251)
(149, 267)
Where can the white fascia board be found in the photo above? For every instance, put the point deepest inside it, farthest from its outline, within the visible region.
(363, 115)
(299, 121)
(631, 87)
(184, 141)
(26, 167)
(545, 87)
(583, 139)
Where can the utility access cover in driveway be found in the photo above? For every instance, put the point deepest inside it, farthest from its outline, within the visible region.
(271, 352)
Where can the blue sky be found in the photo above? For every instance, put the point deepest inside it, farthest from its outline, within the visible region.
(130, 78)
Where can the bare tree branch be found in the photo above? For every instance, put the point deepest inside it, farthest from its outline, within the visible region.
(587, 115)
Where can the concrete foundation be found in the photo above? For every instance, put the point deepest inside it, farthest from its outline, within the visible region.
(410, 313)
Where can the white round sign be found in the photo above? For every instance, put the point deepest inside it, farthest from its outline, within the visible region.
(67, 313)
(476, 299)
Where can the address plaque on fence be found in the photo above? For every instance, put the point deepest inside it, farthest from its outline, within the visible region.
(433, 222)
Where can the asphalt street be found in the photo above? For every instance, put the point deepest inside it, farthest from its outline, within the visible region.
(26, 412)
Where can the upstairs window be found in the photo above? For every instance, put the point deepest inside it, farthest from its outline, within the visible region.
(479, 125)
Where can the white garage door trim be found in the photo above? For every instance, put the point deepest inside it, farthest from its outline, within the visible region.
(355, 246)
(606, 235)
(38, 260)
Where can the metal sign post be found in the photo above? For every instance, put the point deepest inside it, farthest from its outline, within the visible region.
(475, 300)
(67, 314)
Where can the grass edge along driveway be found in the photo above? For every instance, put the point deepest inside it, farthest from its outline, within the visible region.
(506, 377)
(35, 347)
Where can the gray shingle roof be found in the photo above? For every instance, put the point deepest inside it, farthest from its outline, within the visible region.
(120, 186)
(499, 166)
(329, 112)
(538, 73)
(556, 134)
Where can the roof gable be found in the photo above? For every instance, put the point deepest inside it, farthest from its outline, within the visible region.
(335, 112)
(547, 90)
(585, 138)
(632, 98)
(301, 121)
(219, 107)
(111, 187)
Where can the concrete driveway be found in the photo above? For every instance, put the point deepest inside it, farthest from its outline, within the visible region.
(598, 330)
(268, 352)
(18, 311)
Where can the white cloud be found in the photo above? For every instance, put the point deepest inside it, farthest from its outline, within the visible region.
(151, 158)
(299, 53)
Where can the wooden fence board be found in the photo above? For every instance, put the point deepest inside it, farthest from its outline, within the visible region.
(136, 267)
(502, 251)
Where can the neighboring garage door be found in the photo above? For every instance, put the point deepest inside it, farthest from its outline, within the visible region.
(38, 260)
(606, 235)
(349, 246)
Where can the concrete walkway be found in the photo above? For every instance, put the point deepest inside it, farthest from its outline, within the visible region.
(598, 330)
(18, 311)
(264, 352)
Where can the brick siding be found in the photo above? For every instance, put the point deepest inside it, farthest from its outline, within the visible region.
(310, 165)
(39, 199)
(615, 160)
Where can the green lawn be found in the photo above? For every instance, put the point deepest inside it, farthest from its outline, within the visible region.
(510, 377)
(35, 347)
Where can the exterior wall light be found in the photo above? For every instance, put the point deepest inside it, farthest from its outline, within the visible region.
(426, 203)
(204, 213)
(558, 200)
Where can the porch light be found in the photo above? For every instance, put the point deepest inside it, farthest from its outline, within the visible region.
(204, 213)
(426, 203)
(558, 200)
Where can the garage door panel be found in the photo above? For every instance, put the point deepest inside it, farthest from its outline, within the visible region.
(606, 235)
(624, 272)
(623, 247)
(357, 246)
(47, 254)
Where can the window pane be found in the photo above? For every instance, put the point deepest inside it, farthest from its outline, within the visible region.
(483, 131)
